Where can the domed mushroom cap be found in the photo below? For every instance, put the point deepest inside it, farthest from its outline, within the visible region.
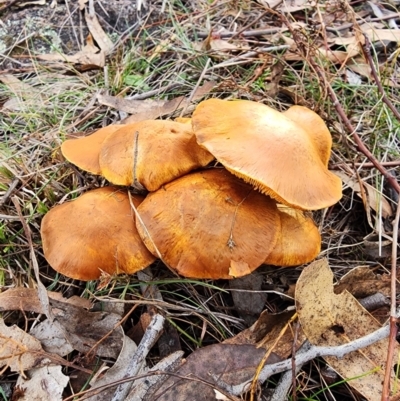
(298, 242)
(84, 152)
(151, 153)
(209, 224)
(94, 233)
(268, 150)
(315, 127)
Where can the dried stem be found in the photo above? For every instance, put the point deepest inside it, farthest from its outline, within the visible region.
(150, 337)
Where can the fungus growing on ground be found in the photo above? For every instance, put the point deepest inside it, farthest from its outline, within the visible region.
(151, 153)
(93, 234)
(269, 150)
(209, 224)
(298, 241)
(84, 152)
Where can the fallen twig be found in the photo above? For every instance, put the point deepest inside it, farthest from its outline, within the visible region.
(149, 339)
(304, 357)
(142, 386)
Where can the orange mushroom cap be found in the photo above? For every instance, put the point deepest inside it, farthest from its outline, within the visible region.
(151, 153)
(209, 224)
(268, 150)
(298, 242)
(84, 152)
(94, 233)
(315, 127)
(183, 120)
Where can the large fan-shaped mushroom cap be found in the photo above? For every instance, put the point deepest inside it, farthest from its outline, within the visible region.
(151, 153)
(209, 224)
(84, 152)
(298, 241)
(268, 150)
(94, 233)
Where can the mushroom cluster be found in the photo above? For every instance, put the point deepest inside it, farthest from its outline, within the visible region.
(166, 201)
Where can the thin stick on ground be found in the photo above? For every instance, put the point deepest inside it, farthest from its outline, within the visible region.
(303, 357)
(150, 337)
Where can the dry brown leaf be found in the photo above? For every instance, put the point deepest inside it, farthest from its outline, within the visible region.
(362, 282)
(81, 57)
(328, 319)
(265, 331)
(152, 109)
(80, 329)
(339, 56)
(149, 109)
(376, 34)
(224, 46)
(75, 327)
(18, 350)
(89, 55)
(232, 364)
(343, 40)
(74, 300)
(27, 299)
(44, 384)
(103, 41)
(359, 66)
